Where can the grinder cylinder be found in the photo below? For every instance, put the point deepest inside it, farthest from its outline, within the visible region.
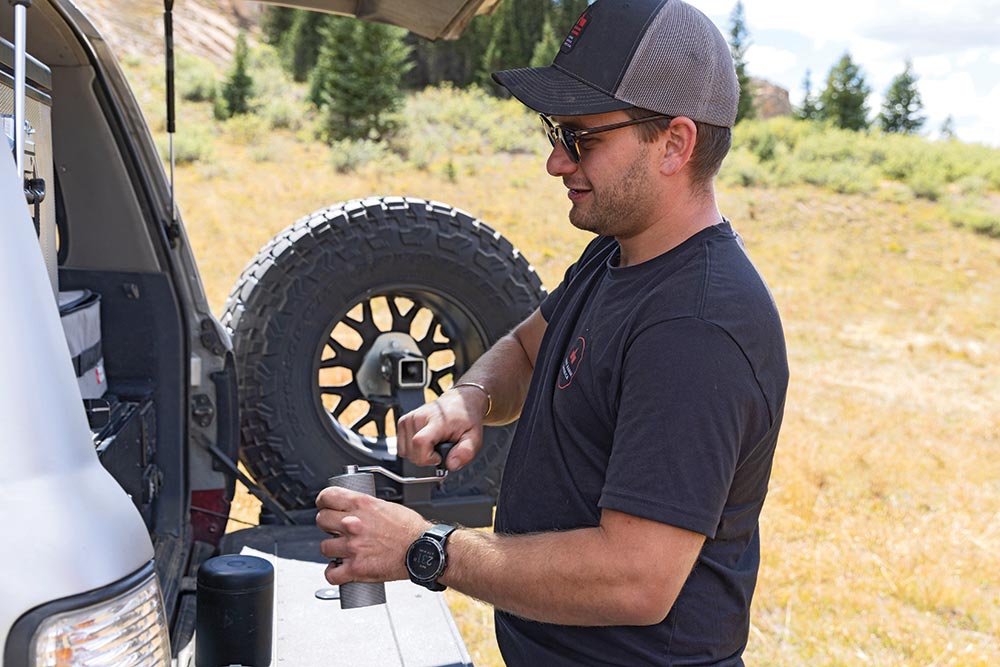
(358, 594)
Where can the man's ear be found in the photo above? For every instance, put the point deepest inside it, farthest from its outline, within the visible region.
(677, 143)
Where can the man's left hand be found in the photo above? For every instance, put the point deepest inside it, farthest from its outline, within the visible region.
(370, 536)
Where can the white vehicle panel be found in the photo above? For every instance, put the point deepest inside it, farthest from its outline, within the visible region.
(62, 514)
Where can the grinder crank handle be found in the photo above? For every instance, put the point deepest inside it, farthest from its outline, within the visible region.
(442, 449)
(440, 472)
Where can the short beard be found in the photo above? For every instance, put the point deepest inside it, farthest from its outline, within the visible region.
(620, 207)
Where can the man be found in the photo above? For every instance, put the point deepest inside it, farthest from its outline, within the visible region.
(650, 384)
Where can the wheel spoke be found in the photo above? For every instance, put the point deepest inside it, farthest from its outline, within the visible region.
(401, 322)
(366, 326)
(429, 347)
(342, 356)
(427, 344)
(377, 413)
(348, 393)
(435, 383)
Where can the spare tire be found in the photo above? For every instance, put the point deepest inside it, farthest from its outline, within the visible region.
(315, 301)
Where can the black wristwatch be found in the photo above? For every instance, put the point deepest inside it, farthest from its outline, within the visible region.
(427, 558)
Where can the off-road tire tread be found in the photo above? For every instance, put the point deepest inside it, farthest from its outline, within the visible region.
(331, 246)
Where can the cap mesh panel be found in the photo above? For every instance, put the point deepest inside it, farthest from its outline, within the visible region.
(683, 67)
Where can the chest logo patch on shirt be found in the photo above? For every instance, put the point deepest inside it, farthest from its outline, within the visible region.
(570, 365)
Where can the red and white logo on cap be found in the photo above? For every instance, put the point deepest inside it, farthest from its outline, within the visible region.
(574, 34)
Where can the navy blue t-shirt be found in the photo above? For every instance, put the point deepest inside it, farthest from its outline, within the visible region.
(658, 392)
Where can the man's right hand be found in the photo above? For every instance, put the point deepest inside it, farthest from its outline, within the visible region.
(456, 416)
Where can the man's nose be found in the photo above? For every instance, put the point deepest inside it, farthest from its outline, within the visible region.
(559, 162)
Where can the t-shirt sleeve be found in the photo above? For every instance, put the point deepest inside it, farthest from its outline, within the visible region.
(686, 392)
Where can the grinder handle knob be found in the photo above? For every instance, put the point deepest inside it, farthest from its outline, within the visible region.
(442, 448)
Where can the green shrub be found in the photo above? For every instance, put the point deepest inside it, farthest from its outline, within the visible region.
(282, 113)
(262, 152)
(926, 181)
(845, 177)
(903, 155)
(808, 152)
(196, 78)
(247, 129)
(277, 98)
(193, 144)
(442, 124)
(977, 215)
(742, 169)
(348, 155)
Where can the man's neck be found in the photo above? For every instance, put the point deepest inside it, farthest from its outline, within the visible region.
(675, 225)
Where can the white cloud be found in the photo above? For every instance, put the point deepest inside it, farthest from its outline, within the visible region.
(762, 58)
(956, 96)
(932, 66)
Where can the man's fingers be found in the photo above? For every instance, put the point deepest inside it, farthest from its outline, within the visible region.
(332, 548)
(403, 435)
(337, 573)
(340, 499)
(422, 451)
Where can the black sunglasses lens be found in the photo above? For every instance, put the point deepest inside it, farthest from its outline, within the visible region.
(560, 135)
(569, 143)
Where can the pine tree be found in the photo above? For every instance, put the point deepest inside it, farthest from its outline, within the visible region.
(902, 106)
(356, 81)
(947, 131)
(276, 22)
(238, 88)
(516, 28)
(808, 110)
(547, 47)
(739, 42)
(455, 61)
(500, 46)
(843, 100)
(300, 45)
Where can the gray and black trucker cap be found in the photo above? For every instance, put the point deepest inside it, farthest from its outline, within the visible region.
(661, 55)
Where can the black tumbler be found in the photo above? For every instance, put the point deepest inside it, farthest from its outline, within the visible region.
(235, 610)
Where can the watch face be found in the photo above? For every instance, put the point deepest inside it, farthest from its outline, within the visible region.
(424, 559)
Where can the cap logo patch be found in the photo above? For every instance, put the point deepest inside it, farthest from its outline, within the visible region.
(574, 34)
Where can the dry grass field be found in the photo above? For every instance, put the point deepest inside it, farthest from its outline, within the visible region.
(881, 534)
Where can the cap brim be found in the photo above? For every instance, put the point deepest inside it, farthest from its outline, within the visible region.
(551, 91)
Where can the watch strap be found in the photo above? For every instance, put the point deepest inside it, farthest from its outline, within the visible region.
(439, 532)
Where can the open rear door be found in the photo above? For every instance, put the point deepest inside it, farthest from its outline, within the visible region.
(433, 19)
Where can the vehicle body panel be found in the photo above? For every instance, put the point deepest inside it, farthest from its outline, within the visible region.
(73, 527)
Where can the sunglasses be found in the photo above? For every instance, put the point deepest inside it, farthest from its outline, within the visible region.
(569, 139)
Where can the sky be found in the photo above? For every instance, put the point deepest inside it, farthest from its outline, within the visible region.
(954, 46)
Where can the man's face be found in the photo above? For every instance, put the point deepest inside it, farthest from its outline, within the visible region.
(612, 187)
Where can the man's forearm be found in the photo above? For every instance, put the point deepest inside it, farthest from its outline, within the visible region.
(581, 577)
(505, 370)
